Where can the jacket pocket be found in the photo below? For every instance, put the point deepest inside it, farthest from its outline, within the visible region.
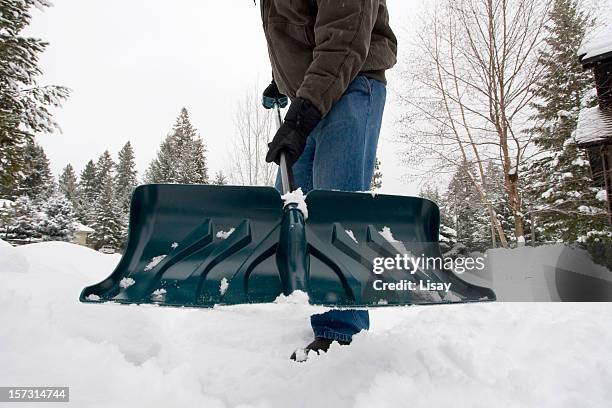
(292, 52)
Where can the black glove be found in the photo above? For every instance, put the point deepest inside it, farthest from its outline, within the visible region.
(272, 96)
(301, 119)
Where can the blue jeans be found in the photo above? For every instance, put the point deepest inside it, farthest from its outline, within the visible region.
(340, 155)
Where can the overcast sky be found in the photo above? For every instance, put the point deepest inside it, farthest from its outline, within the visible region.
(132, 65)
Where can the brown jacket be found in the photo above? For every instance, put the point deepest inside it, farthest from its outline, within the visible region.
(317, 47)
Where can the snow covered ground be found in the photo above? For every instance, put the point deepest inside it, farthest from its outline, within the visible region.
(485, 355)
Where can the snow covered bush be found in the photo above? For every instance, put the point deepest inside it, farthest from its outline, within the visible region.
(56, 219)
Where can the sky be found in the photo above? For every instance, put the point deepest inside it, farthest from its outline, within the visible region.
(132, 66)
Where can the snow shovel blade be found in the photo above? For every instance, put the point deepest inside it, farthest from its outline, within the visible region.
(186, 243)
(346, 232)
(199, 246)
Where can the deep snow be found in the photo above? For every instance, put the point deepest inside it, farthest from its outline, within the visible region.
(485, 355)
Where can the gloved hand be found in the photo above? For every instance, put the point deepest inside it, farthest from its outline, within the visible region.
(272, 96)
(301, 119)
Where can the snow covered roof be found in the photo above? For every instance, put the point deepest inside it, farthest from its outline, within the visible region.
(598, 42)
(594, 125)
(83, 228)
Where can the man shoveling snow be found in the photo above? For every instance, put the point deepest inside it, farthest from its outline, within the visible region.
(331, 62)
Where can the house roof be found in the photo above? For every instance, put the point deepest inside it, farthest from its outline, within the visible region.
(597, 45)
(594, 126)
(83, 228)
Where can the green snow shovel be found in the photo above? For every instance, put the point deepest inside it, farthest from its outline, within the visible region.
(201, 245)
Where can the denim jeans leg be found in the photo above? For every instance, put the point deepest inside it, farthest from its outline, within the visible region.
(344, 158)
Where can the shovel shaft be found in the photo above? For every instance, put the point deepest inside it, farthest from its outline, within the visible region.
(286, 172)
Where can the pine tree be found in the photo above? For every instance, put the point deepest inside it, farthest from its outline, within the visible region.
(220, 179)
(36, 180)
(377, 177)
(5, 216)
(468, 215)
(24, 105)
(558, 183)
(23, 218)
(181, 157)
(108, 223)
(57, 219)
(498, 197)
(88, 193)
(447, 236)
(68, 184)
(126, 179)
(105, 168)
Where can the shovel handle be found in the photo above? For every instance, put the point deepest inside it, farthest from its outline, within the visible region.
(287, 181)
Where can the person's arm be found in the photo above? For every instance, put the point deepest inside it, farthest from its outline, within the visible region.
(343, 30)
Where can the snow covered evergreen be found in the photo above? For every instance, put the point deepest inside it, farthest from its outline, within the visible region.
(108, 221)
(25, 104)
(68, 184)
(35, 178)
(56, 219)
(88, 193)
(126, 178)
(22, 220)
(181, 156)
(560, 193)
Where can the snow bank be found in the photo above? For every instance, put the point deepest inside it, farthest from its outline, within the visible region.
(547, 273)
(507, 355)
(12, 261)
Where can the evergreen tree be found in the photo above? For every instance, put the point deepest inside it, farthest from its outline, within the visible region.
(376, 177)
(126, 179)
(468, 215)
(24, 105)
(105, 168)
(88, 193)
(447, 235)
(181, 157)
(56, 219)
(68, 184)
(220, 179)
(558, 184)
(5, 216)
(35, 179)
(497, 195)
(23, 218)
(108, 223)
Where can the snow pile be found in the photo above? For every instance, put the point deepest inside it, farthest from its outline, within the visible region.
(601, 195)
(225, 234)
(388, 234)
(126, 282)
(154, 262)
(223, 286)
(599, 41)
(547, 273)
(12, 260)
(296, 298)
(297, 197)
(499, 354)
(593, 125)
(351, 235)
